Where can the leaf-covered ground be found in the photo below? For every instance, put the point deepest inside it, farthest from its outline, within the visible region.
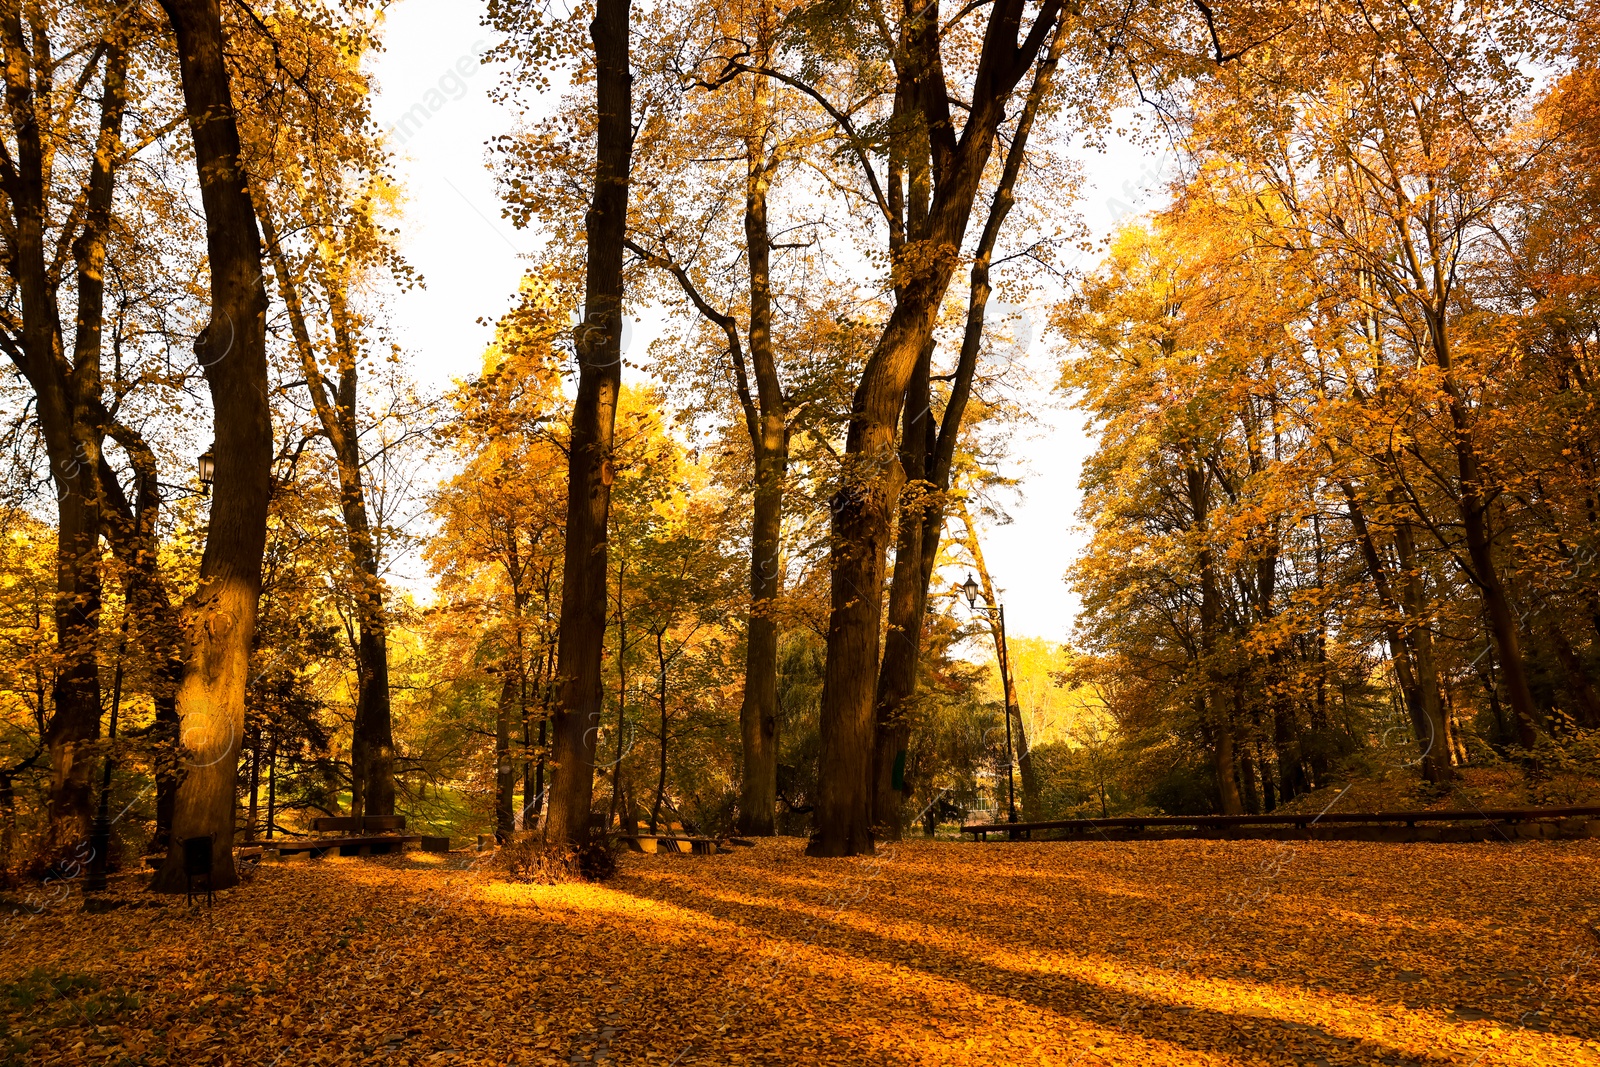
(931, 953)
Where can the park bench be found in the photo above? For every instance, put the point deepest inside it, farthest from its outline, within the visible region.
(673, 841)
(356, 835)
(1362, 825)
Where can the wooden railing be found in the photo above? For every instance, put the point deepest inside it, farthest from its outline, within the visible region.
(1298, 820)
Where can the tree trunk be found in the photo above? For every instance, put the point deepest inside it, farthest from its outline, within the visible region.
(1435, 743)
(1025, 768)
(527, 752)
(767, 420)
(1473, 507)
(335, 402)
(132, 530)
(897, 678)
(221, 614)
(1269, 795)
(1223, 761)
(622, 690)
(1252, 791)
(255, 789)
(598, 340)
(661, 771)
(272, 784)
(758, 712)
(930, 456)
(67, 395)
(1412, 687)
(1213, 715)
(505, 776)
(872, 477)
(533, 802)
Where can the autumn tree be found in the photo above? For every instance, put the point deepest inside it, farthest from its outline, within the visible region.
(232, 348)
(499, 546)
(597, 340)
(56, 256)
(319, 175)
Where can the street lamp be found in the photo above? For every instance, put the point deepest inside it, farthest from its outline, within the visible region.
(208, 470)
(970, 589)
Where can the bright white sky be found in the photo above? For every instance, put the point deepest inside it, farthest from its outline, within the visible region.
(471, 260)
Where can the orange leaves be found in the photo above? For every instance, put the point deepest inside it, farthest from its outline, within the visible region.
(928, 954)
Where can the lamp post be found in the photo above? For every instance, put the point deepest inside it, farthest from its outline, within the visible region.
(970, 588)
(208, 470)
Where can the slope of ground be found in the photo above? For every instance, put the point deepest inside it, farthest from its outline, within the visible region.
(1485, 788)
(1188, 952)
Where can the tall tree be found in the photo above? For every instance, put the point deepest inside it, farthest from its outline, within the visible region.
(864, 505)
(232, 349)
(927, 460)
(598, 341)
(741, 116)
(67, 387)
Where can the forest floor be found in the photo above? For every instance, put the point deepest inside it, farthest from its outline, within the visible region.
(1477, 788)
(1191, 952)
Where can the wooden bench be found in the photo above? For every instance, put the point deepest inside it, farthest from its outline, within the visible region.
(353, 824)
(352, 845)
(369, 835)
(674, 841)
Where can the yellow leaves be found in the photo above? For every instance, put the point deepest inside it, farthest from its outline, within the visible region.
(928, 954)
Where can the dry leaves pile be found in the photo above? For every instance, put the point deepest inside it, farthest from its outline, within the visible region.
(1238, 952)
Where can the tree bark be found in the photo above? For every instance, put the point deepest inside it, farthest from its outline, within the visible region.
(872, 476)
(67, 394)
(221, 614)
(768, 421)
(1213, 714)
(505, 770)
(598, 341)
(1472, 504)
(908, 606)
(661, 769)
(897, 678)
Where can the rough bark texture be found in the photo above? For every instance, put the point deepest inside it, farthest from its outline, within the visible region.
(221, 615)
(907, 605)
(67, 397)
(872, 477)
(897, 677)
(598, 340)
(767, 417)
